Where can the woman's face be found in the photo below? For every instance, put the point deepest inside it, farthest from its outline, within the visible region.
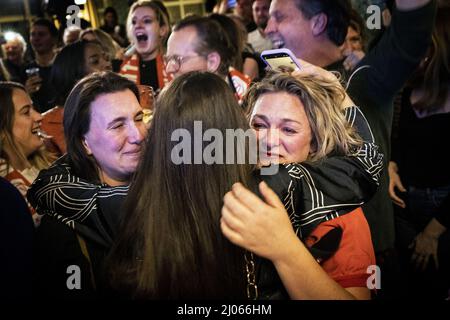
(116, 134)
(146, 32)
(95, 59)
(282, 128)
(27, 123)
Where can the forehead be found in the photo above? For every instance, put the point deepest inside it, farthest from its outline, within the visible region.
(280, 105)
(92, 47)
(113, 105)
(184, 39)
(39, 29)
(20, 98)
(283, 6)
(143, 11)
(261, 4)
(13, 42)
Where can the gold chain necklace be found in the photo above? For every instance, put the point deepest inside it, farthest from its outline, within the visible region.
(252, 288)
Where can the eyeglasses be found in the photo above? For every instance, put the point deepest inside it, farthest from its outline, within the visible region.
(178, 60)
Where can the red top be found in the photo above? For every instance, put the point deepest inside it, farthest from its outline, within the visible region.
(348, 266)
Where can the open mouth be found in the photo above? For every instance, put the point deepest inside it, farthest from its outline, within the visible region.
(278, 43)
(36, 130)
(141, 37)
(41, 134)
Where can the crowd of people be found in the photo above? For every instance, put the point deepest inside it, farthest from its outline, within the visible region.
(328, 174)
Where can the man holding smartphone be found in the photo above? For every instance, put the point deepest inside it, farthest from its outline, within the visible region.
(314, 29)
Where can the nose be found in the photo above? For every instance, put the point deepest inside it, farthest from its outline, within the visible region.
(136, 133)
(269, 139)
(139, 24)
(170, 67)
(271, 26)
(37, 117)
(346, 48)
(106, 65)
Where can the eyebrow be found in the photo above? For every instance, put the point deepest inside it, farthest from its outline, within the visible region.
(120, 119)
(29, 106)
(146, 16)
(263, 117)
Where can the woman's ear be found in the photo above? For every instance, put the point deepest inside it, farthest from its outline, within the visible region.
(318, 24)
(86, 146)
(163, 31)
(213, 61)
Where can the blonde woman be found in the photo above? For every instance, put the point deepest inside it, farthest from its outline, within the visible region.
(302, 119)
(22, 152)
(147, 29)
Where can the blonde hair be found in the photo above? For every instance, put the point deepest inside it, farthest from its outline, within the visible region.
(160, 15)
(322, 100)
(108, 44)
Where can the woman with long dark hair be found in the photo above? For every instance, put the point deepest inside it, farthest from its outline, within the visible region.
(423, 212)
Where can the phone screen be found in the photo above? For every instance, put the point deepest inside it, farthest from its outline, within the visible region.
(280, 60)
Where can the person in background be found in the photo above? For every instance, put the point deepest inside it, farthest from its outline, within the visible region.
(71, 34)
(14, 49)
(200, 44)
(112, 27)
(147, 29)
(112, 50)
(44, 40)
(23, 153)
(65, 74)
(243, 61)
(258, 38)
(241, 8)
(422, 196)
(354, 46)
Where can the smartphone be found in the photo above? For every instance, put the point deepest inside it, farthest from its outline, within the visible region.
(31, 72)
(277, 59)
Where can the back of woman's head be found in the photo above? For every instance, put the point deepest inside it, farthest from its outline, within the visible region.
(170, 245)
(68, 68)
(322, 100)
(77, 117)
(232, 31)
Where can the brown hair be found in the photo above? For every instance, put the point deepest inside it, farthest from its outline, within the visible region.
(40, 159)
(434, 75)
(170, 244)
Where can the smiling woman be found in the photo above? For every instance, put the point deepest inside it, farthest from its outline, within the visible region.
(104, 130)
(22, 152)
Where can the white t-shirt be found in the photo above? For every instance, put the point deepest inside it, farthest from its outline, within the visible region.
(259, 42)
